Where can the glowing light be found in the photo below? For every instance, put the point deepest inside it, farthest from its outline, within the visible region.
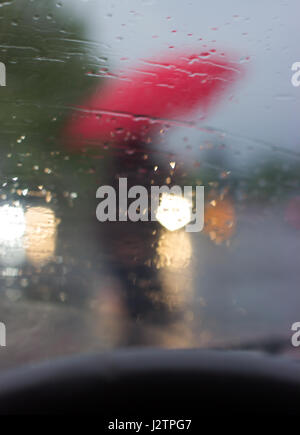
(220, 220)
(174, 211)
(40, 236)
(12, 223)
(12, 228)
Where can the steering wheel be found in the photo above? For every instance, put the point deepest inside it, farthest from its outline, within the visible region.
(156, 383)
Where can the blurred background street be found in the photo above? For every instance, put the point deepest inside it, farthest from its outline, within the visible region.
(70, 284)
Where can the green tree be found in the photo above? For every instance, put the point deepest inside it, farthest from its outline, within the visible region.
(47, 56)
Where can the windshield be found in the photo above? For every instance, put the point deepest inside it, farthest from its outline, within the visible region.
(101, 103)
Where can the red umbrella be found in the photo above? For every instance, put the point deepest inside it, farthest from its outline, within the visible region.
(132, 107)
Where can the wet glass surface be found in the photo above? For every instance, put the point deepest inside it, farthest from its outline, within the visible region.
(160, 94)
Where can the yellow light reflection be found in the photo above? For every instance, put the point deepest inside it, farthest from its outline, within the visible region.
(173, 258)
(40, 235)
(174, 250)
(174, 211)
